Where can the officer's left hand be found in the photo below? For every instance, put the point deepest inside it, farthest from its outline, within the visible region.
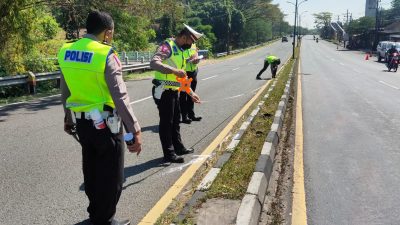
(195, 98)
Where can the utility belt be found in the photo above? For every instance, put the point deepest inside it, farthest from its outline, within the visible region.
(86, 116)
(112, 121)
(162, 85)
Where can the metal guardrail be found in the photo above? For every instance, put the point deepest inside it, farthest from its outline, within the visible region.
(23, 79)
(221, 54)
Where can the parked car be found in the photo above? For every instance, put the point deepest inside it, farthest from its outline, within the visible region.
(284, 39)
(382, 48)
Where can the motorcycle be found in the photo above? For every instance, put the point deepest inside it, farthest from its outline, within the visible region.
(393, 62)
(316, 40)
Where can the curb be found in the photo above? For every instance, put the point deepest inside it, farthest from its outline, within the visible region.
(251, 205)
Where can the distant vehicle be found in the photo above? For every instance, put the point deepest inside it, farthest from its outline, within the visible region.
(291, 35)
(382, 48)
(284, 39)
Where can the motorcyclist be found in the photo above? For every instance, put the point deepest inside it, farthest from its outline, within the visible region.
(317, 40)
(391, 51)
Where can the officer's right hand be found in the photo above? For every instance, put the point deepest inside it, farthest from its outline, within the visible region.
(180, 73)
(137, 146)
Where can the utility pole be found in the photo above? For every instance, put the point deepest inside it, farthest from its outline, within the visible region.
(347, 17)
(376, 25)
(294, 28)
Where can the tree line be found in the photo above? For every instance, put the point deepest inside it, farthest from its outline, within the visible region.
(32, 31)
(361, 25)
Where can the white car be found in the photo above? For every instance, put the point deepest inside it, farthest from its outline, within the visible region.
(382, 48)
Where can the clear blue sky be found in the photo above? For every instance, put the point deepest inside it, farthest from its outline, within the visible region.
(337, 7)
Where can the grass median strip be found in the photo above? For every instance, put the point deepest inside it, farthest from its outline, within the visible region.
(232, 181)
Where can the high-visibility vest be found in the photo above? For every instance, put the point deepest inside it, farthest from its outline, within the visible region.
(270, 59)
(190, 67)
(176, 60)
(83, 65)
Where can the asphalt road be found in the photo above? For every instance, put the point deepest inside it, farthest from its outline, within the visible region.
(351, 137)
(41, 178)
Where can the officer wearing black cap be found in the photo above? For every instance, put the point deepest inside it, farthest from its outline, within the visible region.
(169, 63)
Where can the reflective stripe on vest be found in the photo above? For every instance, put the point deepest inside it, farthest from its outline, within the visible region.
(190, 67)
(271, 59)
(176, 60)
(83, 64)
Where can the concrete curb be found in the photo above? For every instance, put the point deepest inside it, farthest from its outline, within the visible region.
(251, 205)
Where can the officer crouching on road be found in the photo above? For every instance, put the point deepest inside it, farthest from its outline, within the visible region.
(93, 89)
(169, 63)
(274, 61)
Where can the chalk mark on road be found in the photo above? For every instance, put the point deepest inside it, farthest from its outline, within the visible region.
(236, 69)
(210, 77)
(389, 85)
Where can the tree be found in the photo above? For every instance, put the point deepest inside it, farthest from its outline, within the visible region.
(322, 23)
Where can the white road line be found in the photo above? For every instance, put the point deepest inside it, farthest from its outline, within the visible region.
(394, 87)
(140, 100)
(236, 69)
(210, 77)
(356, 71)
(332, 59)
(250, 64)
(342, 64)
(236, 96)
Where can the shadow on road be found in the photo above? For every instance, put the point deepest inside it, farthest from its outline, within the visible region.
(138, 169)
(34, 106)
(85, 222)
(153, 128)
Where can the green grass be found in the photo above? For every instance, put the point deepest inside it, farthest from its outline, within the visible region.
(25, 98)
(139, 76)
(232, 181)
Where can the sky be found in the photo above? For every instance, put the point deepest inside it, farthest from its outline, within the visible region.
(336, 7)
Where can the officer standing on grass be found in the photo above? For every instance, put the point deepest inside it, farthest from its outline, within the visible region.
(169, 63)
(93, 89)
(270, 60)
(186, 102)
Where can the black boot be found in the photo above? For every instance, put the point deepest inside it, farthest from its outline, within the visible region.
(184, 151)
(174, 158)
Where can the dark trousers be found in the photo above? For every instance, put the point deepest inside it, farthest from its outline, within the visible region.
(169, 129)
(103, 170)
(274, 68)
(186, 102)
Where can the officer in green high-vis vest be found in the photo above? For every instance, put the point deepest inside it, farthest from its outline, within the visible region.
(94, 93)
(169, 63)
(187, 105)
(270, 60)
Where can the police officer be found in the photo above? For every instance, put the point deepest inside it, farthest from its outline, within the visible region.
(274, 61)
(169, 63)
(92, 85)
(186, 102)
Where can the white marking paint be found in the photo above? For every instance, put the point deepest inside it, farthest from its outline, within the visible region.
(236, 96)
(250, 64)
(332, 59)
(236, 69)
(140, 100)
(356, 71)
(210, 77)
(197, 159)
(389, 85)
(342, 64)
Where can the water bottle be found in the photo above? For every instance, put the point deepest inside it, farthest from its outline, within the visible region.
(97, 119)
(129, 139)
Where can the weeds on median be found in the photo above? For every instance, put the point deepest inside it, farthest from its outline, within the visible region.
(232, 181)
